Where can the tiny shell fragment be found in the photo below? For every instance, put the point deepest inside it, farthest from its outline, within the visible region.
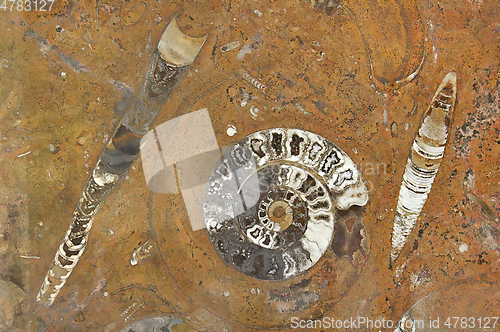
(230, 46)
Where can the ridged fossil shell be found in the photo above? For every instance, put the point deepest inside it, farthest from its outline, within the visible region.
(270, 201)
(253, 81)
(423, 163)
(169, 62)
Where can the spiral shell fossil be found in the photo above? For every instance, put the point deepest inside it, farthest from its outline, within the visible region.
(270, 202)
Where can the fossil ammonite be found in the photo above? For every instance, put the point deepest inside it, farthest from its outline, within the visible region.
(270, 202)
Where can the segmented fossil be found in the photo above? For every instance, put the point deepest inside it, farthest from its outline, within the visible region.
(253, 81)
(175, 52)
(423, 163)
(270, 201)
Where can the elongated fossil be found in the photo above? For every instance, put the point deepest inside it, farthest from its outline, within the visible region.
(423, 163)
(175, 52)
(253, 81)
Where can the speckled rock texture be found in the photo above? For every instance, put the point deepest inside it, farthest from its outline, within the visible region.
(360, 74)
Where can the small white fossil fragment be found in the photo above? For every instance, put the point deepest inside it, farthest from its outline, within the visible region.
(230, 46)
(423, 163)
(23, 154)
(141, 253)
(231, 130)
(29, 256)
(254, 111)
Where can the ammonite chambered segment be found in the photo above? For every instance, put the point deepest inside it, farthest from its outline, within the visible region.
(270, 201)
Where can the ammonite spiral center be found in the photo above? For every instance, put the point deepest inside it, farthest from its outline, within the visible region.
(270, 202)
(281, 213)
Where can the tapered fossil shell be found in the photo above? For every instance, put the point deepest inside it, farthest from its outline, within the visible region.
(168, 64)
(423, 163)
